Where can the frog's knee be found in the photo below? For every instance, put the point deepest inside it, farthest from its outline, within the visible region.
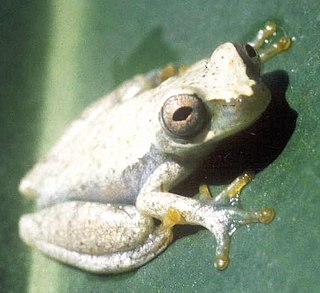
(126, 244)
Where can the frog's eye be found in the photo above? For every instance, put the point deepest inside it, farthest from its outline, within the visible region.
(184, 115)
(250, 58)
(250, 51)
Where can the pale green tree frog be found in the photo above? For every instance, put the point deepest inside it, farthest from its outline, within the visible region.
(110, 175)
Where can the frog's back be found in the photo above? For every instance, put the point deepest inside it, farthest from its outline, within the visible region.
(106, 155)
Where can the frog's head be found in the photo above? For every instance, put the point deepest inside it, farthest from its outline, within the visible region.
(214, 99)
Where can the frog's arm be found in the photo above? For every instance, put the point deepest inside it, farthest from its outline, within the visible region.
(221, 215)
(95, 237)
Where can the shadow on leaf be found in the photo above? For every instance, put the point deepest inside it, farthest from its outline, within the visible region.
(251, 150)
(151, 53)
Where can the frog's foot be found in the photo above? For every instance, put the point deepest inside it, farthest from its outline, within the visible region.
(172, 218)
(204, 192)
(226, 215)
(232, 192)
(160, 75)
(139, 84)
(273, 48)
(230, 220)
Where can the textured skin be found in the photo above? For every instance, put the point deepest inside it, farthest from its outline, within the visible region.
(119, 152)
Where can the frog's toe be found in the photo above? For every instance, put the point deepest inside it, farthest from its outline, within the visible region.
(167, 71)
(266, 215)
(172, 218)
(274, 48)
(223, 238)
(170, 70)
(242, 217)
(204, 192)
(222, 262)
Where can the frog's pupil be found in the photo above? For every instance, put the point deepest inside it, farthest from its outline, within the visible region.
(182, 114)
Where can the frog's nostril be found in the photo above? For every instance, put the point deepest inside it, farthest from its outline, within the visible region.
(27, 189)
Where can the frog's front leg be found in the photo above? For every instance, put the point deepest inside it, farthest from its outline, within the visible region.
(96, 237)
(221, 215)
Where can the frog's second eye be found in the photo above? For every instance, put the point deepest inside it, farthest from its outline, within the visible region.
(250, 58)
(250, 51)
(184, 115)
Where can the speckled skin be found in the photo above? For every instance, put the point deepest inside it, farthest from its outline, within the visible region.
(110, 174)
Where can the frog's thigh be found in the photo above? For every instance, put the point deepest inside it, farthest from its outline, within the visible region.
(94, 236)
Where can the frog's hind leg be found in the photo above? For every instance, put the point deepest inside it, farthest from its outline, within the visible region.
(95, 237)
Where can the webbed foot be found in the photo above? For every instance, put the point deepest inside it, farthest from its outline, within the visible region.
(282, 44)
(226, 215)
(160, 75)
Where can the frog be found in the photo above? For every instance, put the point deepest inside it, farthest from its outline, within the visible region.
(104, 191)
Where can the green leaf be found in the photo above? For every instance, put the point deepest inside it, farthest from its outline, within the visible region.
(59, 56)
